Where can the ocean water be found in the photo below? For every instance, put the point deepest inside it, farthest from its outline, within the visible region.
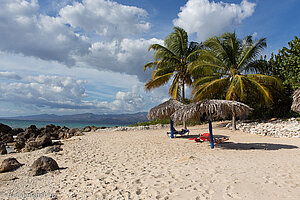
(26, 123)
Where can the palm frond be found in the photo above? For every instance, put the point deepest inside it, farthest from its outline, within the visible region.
(212, 89)
(177, 41)
(232, 46)
(160, 51)
(250, 52)
(174, 90)
(267, 80)
(203, 80)
(162, 71)
(158, 81)
(236, 89)
(150, 65)
(260, 90)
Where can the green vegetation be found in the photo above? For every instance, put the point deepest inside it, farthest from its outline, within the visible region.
(226, 67)
(230, 59)
(192, 123)
(166, 121)
(286, 64)
(172, 62)
(152, 122)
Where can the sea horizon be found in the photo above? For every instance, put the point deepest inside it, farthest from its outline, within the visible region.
(16, 123)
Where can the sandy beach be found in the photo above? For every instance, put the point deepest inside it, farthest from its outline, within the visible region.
(149, 165)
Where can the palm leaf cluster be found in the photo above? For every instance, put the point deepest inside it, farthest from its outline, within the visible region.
(171, 62)
(230, 59)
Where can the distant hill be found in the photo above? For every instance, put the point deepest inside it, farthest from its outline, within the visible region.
(88, 117)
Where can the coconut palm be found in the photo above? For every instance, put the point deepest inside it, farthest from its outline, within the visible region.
(171, 62)
(231, 60)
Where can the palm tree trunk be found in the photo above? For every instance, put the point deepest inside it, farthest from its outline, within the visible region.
(183, 92)
(233, 116)
(233, 122)
(183, 98)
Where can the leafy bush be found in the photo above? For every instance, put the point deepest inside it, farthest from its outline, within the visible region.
(152, 122)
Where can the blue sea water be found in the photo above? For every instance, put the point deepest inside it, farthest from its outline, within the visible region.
(26, 123)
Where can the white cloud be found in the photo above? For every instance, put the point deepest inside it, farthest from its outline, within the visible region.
(25, 31)
(125, 56)
(66, 93)
(130, 101)
(107, 67)
(210, 18)
(106, 18)
(51, 91)
(10, 75)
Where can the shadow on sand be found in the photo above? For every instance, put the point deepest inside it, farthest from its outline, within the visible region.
(254, 146)
(243, 146)
(197, 135)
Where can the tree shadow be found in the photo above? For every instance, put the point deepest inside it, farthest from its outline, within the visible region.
(254, 146)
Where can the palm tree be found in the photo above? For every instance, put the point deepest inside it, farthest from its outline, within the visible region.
(231, 60)
(172, 62)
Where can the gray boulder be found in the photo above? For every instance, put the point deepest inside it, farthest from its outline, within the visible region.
(2, 149)
(16, 131)
(31, 146)
(19, 144)
(94, 128)
(9, 164)
(44, 140)
(72, 131)
(86, 129)
(78, 133)
(6, 134)
(4, 128)
(43, 165)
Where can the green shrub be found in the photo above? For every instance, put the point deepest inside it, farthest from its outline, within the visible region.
(152, 122)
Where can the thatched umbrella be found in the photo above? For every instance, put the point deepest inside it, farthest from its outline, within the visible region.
(296, 101)
(212, 109)
(165, 110)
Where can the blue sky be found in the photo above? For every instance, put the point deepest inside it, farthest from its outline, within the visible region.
(71, 56)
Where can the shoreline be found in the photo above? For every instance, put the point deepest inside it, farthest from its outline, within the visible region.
(70, 124)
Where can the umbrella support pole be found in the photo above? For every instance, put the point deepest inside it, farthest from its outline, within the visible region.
(171, 128)
(211, 138)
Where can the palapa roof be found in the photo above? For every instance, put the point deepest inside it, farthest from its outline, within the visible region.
(211, 108)
(164, 110)
(296, 101)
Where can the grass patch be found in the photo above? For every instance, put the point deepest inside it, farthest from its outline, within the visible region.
(167, 121)
(152, 122)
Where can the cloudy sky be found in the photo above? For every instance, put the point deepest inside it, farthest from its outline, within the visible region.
(77, 56)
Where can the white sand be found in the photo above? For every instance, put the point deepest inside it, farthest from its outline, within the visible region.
(150, 165)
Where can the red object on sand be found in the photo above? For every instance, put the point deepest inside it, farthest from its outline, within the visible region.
(205, 136)
(201, 138)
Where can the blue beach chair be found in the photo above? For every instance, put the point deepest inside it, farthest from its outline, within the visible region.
(182, 132)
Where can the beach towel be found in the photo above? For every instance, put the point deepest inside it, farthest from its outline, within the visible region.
(201, 138)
